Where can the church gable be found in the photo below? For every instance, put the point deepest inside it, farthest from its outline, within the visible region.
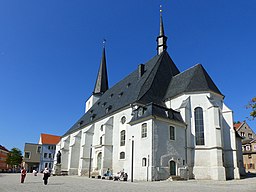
(195, 79)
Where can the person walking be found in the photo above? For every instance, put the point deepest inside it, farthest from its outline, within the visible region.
(46, 175)
(23, 174)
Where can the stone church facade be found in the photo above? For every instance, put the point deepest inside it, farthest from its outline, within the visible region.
(156, 123)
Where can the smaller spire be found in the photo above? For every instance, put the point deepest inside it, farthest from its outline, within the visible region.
(161, 39)
(101, 84)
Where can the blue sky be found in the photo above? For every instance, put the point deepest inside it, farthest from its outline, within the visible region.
(50, 52)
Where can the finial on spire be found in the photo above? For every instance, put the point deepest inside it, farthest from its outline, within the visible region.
(104, 42)
(161, 10)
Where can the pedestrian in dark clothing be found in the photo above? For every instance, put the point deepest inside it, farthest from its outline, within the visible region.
(23, 174)
(46, 175)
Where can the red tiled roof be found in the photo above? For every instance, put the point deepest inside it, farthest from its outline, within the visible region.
(49, 139)
(3, 148)
(237, 125)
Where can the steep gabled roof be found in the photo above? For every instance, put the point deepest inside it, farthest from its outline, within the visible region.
(195, 79)
(237, 125)
(3, 148)
(149, 87)
(49, 139)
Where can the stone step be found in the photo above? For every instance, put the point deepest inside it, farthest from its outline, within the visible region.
(175, 178)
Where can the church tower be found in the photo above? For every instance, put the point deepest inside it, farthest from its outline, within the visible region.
(101, 85)
(161, 39)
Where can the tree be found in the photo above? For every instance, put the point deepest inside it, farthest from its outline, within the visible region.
(252, 106)
(14, 157)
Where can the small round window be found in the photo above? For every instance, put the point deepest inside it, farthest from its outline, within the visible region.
(123, 119)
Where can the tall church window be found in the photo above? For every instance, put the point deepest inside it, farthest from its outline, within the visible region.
(199, 126)
(172, 133)
(144, 130)
(122, 138)
(101, 140)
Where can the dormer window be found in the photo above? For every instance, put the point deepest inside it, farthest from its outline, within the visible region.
(108, 108)
(104, 104)
(111, 95)
(81, 123)
(140, 111)
(121, 94)
(128, 85)
(93, 116)
(91, 111)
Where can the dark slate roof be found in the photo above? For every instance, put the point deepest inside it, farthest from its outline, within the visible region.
(150, 87)
(101, 84)
(155, 110)
(192, 80)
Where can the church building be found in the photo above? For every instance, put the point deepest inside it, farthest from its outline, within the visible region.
(155, 123)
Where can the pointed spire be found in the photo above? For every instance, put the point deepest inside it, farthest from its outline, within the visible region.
(161, 39)
(161, 33)
(101, 84)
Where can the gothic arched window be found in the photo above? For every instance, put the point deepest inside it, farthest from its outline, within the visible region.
(199, 126)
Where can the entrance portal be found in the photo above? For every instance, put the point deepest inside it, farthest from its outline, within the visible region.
(172, 168)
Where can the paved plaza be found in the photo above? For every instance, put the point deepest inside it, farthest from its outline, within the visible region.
(11, 183)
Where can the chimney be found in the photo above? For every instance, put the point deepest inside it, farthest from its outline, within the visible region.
(141, 69)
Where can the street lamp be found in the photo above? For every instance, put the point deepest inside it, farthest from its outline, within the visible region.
(132, 158)
(90, 161)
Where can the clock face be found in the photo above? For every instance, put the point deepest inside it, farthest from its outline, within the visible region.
(140, 112)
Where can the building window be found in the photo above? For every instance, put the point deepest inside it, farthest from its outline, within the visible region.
(144, 162)
(46, 165)
(172, 133)
(248, 147)
(101, 127)
(122, 138)
(49, 147)
(39, 149)
(251, 166)
(123, 120)
(122, 155)
(242, 134)
(45, 155)
(50, 155)
(199, 126)
(250, 135)
(101, 140)
(249, 156)
(50, 165)
(144, 130)
(27, 155)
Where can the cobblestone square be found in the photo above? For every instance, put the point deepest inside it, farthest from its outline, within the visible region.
(11, 183)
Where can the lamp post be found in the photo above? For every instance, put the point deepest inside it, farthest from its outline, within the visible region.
(90, 161)
(132, 158)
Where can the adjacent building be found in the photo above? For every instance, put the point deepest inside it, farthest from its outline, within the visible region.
(31, 159)
(156, 123)
(248, 145)
(48, 147)
(3, 156)
(40, 156)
